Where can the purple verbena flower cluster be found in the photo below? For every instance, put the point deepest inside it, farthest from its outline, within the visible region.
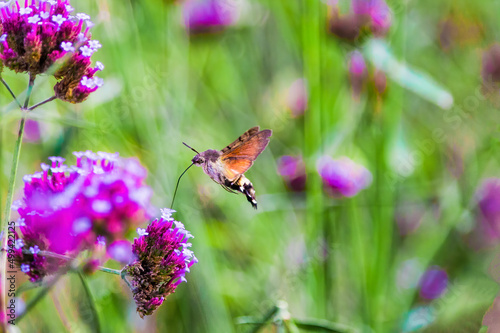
(40, 34)
(66, 209)
(163, 258)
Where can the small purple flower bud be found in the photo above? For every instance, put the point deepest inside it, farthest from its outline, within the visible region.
(142, 232)
(86, 51)
(433, 283)
(34, 19)
(19, 244)
(94, 44)
(25, 268)
(166, 214)
(34, 249)
(68, 46)
(58, 19)
(82, 16)
(24, 11)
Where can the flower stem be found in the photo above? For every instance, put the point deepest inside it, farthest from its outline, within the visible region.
(42, 103)
(11, 92)
(28, 93)
(91, 302)
(8, 204)
(62, 256)
(109, 270)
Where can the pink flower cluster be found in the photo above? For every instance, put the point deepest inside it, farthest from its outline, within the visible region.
(163, 259)
(42, 35)
(66, 209)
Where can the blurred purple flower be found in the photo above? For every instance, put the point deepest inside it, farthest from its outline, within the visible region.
(163, 259)
(380, 82)
(209, 15)
(293, 171)
(433, 283)
(65, 209)
(297, 97)
(357, 72)
(31, 131)
(457, 29)
(347, 27)
(343, 177)
(377, 13)
(490, 71)
(374, 14)
(488, 199)
(409, 217)
(121, 250)
(37, 36)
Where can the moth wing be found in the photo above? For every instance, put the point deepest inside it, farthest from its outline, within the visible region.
(241, 139)
(239, 159)
(234, 167)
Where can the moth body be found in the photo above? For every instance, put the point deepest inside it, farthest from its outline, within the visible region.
(226, 167)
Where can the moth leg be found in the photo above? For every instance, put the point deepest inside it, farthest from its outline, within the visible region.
(224, 186)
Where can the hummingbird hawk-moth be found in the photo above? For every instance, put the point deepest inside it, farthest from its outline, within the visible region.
(226, 167)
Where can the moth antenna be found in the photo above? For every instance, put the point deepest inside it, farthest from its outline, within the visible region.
(178, 180)
(191, 148)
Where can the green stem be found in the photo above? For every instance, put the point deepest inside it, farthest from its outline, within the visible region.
(13, 172)
(42, 103)
(321, 326)
(311, 40)
(68, 258)
(40, 296)
(10, 91)
(8, 204)
(28, 93)
(91, 301)
(265, 320)
(110, 270)
(10, 194)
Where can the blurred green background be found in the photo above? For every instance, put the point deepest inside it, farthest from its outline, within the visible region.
(335, 259)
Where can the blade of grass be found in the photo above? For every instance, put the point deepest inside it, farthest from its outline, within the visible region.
(91, 303)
